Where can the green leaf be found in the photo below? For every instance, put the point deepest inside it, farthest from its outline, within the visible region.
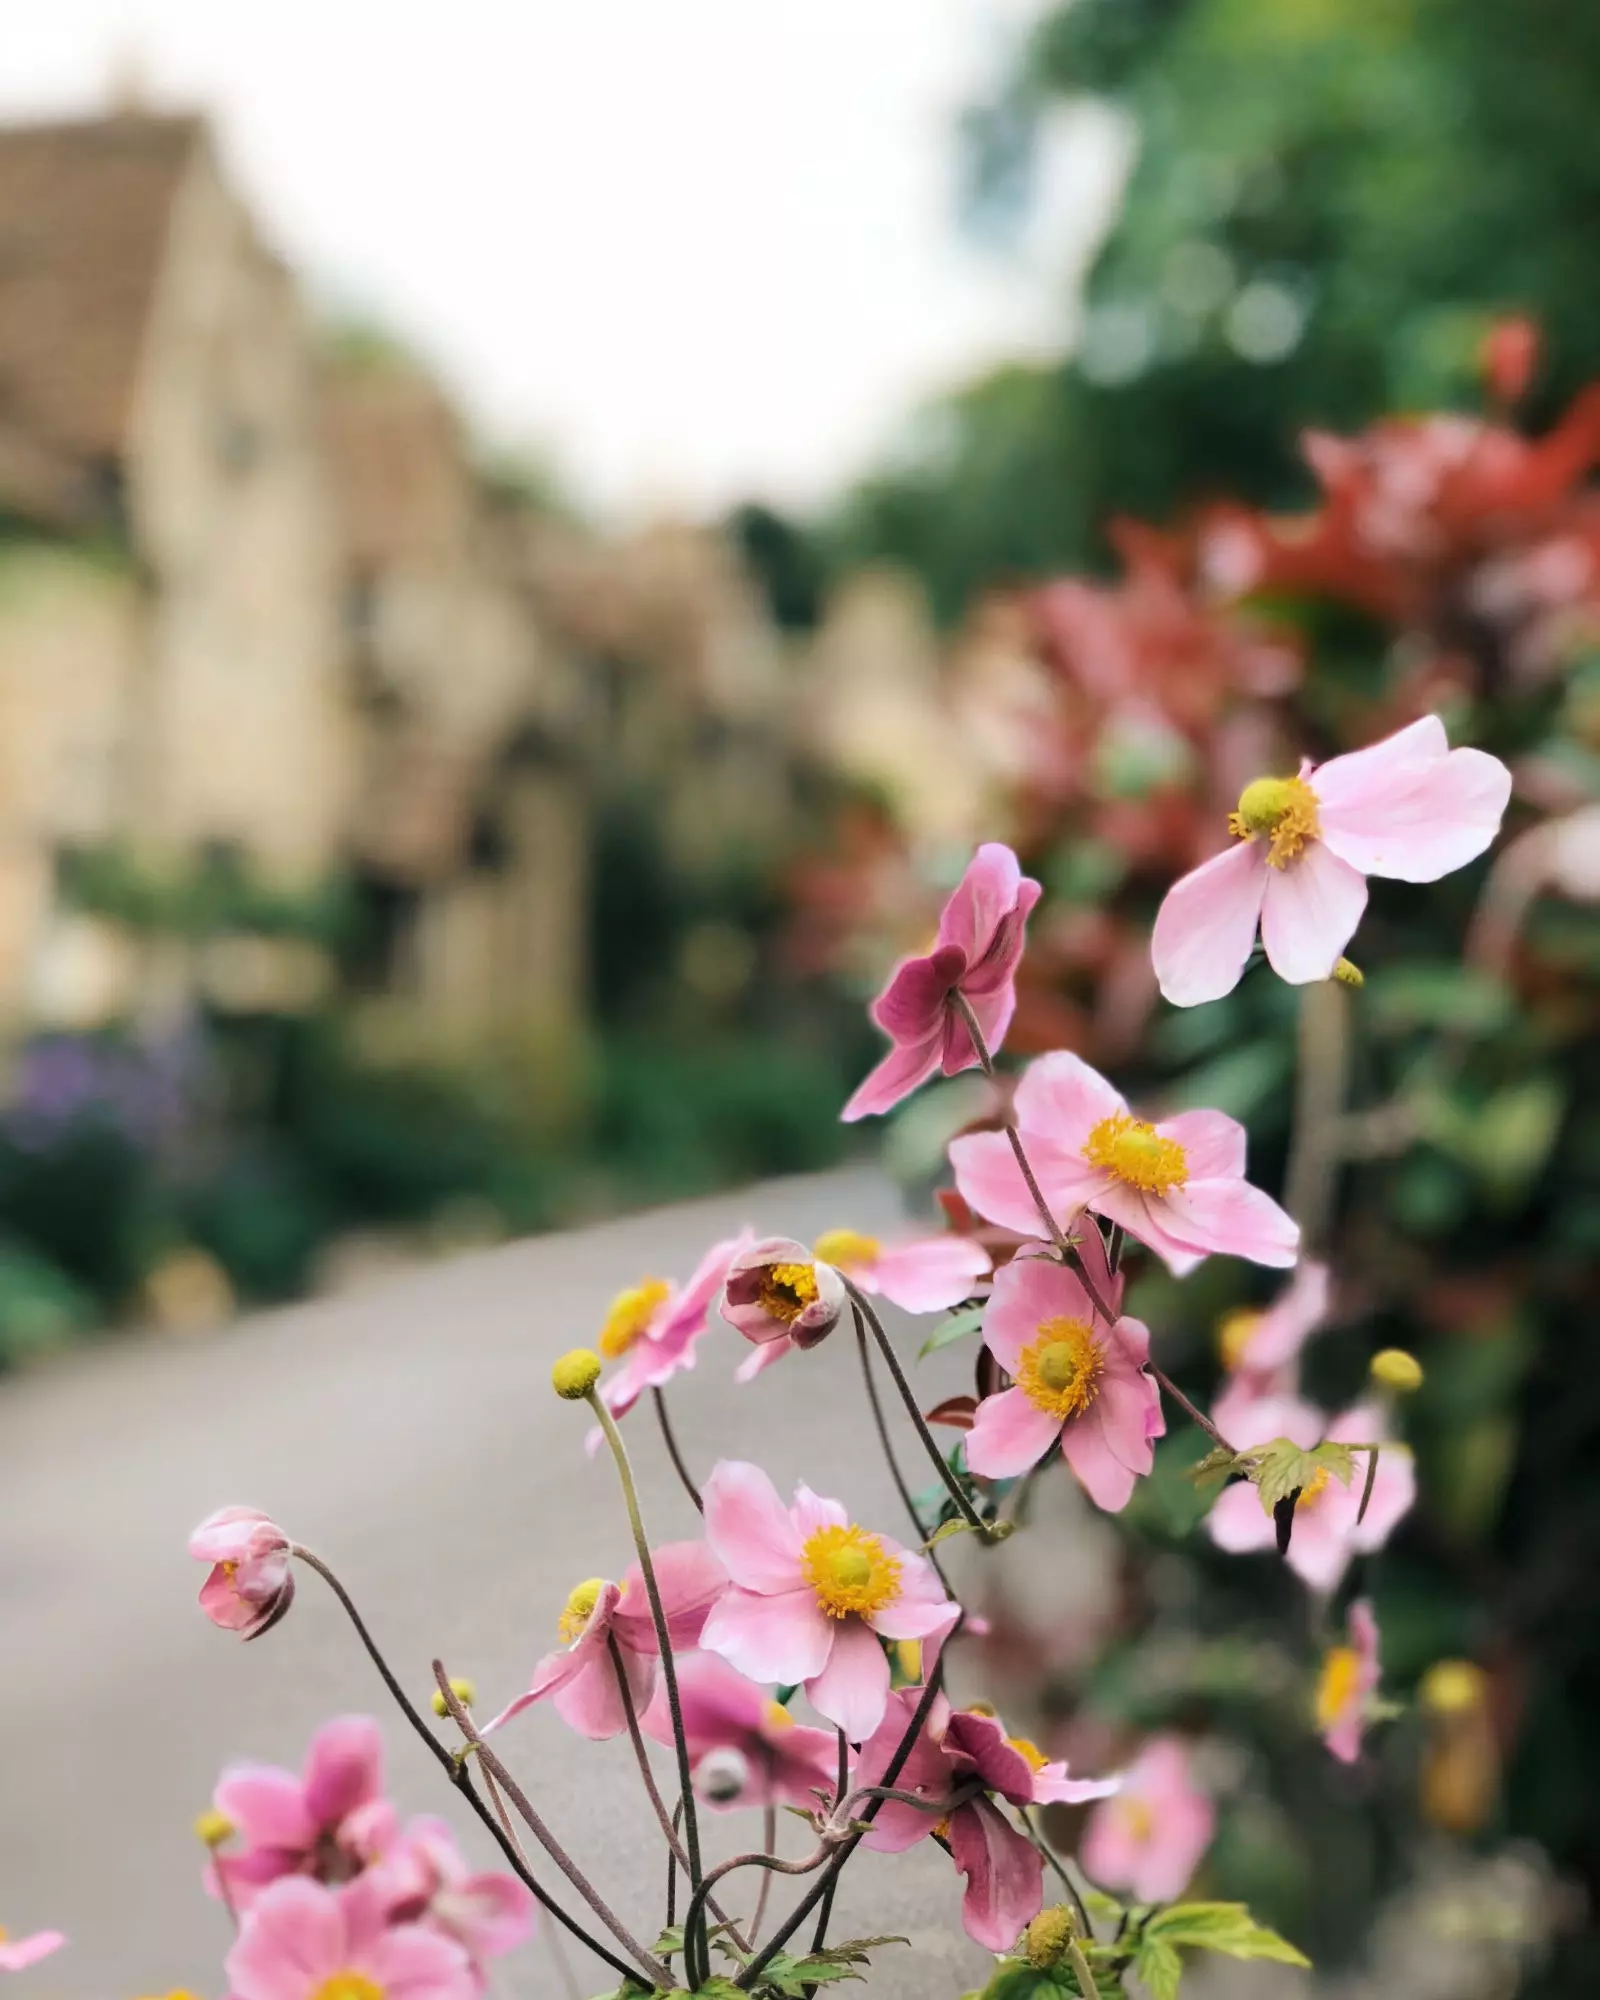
(1224, 1927)
(954, 1526)
(1282, 1468)
(1159, 1966)
(670, 1942)
(1216, 1465)
(959, 1324)
(718, 1988)
(1023, 1982)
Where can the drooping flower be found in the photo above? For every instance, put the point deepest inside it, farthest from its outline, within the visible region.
(745, 1748)
(329, 1822)
(777, 1291)
(428, 1881)
(1078, 1383)
(1326, 1533)
(251, 1584)
(1176, 1185)
(922, 1276)
(976, 954)
(652, 1329)
(1148, 1840)
(580, 1676)
(1409, 807)
(302, 1940)
(954, 1749)
(1347, 1682)
(812, 1594)
(17, 1954)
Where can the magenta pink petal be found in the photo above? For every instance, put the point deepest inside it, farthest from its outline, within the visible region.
(749, 1527)
(1008, 1436)
(980, 901)
(901, 1071)
(293, 1935)
(853, 1685)
(1310, 913)
(344, 1768)
(1206, 926)
(1005, 1875)
(1103, 1476)
(783, 1637)
(267, 1806)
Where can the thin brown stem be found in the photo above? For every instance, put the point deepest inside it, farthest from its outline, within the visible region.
(769, 1840)
(902, 1485)
(819, 1936)
(1191, 1410)
(670, 1440)
(1054, 1862)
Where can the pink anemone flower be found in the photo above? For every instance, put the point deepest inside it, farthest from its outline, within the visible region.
(1347, 1682)
(17, 1954)
(251, 1584)
(1409, 807)
(1077, 1383)
(303, 1941)
(429, 1882)
(1326, 1533)
(745, 1748)
(329, 1822)
(954, 1751)
(652, 1329)
(976, 954)
(1148, 1840)
(812, 1595)
(923, 1276)
(778, 1294)
(581, 1678)
(1260, 1348)
(1176, 1185)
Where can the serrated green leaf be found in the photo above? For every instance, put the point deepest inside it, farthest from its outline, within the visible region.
(853, 1951)
(1224, 1927)
(1023, 1982)
(718, 1988)
(958, 1325)
(1159, 1966)
(954, 1526)
(793, 1976)
(1217, 1464)
(1281, 1468)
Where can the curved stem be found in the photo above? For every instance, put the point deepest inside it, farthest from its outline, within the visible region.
(455, 1770)
(670, 1440)
(1030, 1827)
(769, 1840)
(755, 1858)
(820, 1934)
(880, 1423)
(1192, 1411)
(493, 1768)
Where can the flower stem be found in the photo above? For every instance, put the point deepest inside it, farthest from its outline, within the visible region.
(769, 1840)
(669, 1439)
(1192, 1411)
(1322, 1065)
(901, 1486)
(820, 1934)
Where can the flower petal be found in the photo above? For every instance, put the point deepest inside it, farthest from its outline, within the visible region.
(901, 1072)
(1310, 914)
(1062, 1098)
(931, 1274)
(853, 1686)
(344, 1768)
(1426, 821)
(1206, 925)
(1008, 1435)
(750, 1528)
(1005, 1875)
(1107, 1481)
(1027, 1292)
(783, 1637)
(1213, 1143)
(1233, 1219)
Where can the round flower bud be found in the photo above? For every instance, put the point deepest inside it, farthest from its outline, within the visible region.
(723, 1776)
(575, 1374)
(1453, 1687)
(1045, 1941)
(212, 1827)
(462, 1689)
(1348, 973)
(1395, 1369)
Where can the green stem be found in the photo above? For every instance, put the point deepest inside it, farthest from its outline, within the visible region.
(670, 1440)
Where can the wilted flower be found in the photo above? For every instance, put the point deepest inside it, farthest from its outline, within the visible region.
(329, 1822)
(304, 1941)
(1347, 1682)
(251, 1584)
(1148, 1840)
(777, 1291)
(745, 1748)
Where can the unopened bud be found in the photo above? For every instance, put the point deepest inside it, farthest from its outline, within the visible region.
(1045, 1941)
(1453, 1687)
(1348, 973)
(575, 1374)
(1395, 1369)
(462, 1689)
(212, 1827)
(723, 1776)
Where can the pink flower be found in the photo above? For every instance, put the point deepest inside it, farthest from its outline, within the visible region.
(976, 954)
(1325, 1534)
(954, 1749)
(1148, 1840)
(777, 1292)
(922, 1276)
(812, 1594)
(251, 1584)
(329, 1822)
(1347, 1683)
(429, 1882)
(1409, 807)
(1177, 1185)
(1079, 1383)
(581, 1678)
(17, 1954)
(653, 1328)
(1261, 1349)
(746, 1748)
(304, 1941)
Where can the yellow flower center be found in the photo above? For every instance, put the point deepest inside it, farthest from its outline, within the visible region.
(1284, 809)
(1059, 1372)
(1136, 1153)
(1235, 1331)
(1029, 1752)
(786, 1290)
(1319, 1483)
(1337, 1684)
(348, 1986)
(4, 1933)
(850, 1570)
(845, 1248)
(213, 1827)
(631, 1312)
(778, 1717)
(580, 1608)
(1138, 1821)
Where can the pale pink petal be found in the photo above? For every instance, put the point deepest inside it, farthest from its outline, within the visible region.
(1008, 1435)
(1146, 1219)
(771, 1638)
(1236, 1522)
(20, 1953)
(853, 1685)
(1128, 1406)
(1319, 1551)
(811, 1512)
(1103, 1476)
(1206, 926)
(901, 1072)
(590, 1700)
(929, 1275)
(1062, 1098)
(750, 1528)
(295, 1931)
(1363, 775)
(344, 1768)
(267, 1806)
(1005, 1875)
(1427, 821)
(1027, 1292)
(759, 1359)
(1231, 1218)
(921, 1610)
(1213, 1144)
(1052, 1786)
(1310, 913)
(1280, 1333)
(991, 1182)
(689, 1578)
(412, 1962)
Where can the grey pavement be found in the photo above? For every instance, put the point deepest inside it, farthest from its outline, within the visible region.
(408, 1434)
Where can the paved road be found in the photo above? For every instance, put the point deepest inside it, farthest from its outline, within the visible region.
(409, 1435)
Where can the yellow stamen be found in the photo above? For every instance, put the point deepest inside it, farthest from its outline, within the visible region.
(1337, 1684)
(846, 1248)
(1319, 1482)
(1453, 1687)
(580, 1608)
(348, 1986)
(1136, 1153)
(631, 1312)
(213, 1827)
(778, 1717)
(1059, 1372)
(850, 1570)
(786, 1290)
(1235, 1331)
(1029, 1752)
(1285, 809)
(1138, 1821)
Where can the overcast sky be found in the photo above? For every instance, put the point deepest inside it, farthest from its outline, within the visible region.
(694, 248)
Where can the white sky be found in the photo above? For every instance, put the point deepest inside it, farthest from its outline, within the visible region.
(694, 248)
